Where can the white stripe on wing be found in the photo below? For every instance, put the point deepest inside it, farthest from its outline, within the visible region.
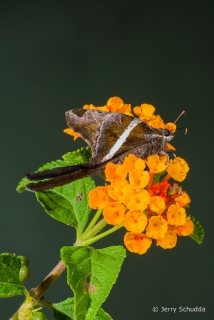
(121, 139)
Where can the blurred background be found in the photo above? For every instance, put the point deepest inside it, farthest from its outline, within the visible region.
(60, 55)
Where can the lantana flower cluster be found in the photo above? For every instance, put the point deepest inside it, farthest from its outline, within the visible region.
(149, 208)
(148, 211)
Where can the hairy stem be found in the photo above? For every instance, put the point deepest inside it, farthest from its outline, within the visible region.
(48, 281)
(15, 316)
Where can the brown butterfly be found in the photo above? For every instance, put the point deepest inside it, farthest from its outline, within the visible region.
(111, 136)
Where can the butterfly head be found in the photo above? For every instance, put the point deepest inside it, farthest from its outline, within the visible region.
(168, 134)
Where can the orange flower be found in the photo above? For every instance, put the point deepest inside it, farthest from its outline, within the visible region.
(176, 215)
(157, 204)
(118, 190)
(139, 164)
(92, 107)
(169, 147)
(115, 104)
(114, 213)
(135, 221)
(186, 229)
(72, 133)
(157, 227)
(137, 242)
(157, 123)
(115, 172)
(129, 162)
(157, 163)
(145, 112)
(183, 200)
(169, 241)
(135, 166)
(137, 200)
(178, 169)
(98, 198)
(170, 126)
(138, 178)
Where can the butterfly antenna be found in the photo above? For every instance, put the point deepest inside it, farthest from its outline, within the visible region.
(185, 128)
(183, 112)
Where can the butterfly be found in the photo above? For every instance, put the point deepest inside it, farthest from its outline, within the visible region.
(111, 137)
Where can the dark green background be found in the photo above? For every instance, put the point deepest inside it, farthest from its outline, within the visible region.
(60, 55)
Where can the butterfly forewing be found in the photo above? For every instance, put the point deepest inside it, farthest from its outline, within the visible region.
(108, 134)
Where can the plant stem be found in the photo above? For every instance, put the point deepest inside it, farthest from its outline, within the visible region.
(102, 235)
(45, 304)
(151, 179)
(166, 178)
(93, 221)
(48, 281)
(88, 238)
(99, 226)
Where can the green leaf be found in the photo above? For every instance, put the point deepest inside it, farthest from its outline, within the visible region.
(157, 177)
(79, 156)
(91, 275)
(54, 164)
(65, 311)
(64, 204)
(68, 203)
(10, 284)
(102, 315)
(22, 185)
(198, 234)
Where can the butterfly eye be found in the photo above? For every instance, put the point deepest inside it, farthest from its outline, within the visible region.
(167, 133)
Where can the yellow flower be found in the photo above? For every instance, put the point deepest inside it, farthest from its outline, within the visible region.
(157, 123)
(135, 221)
(114, 213)
(170, 126)
(140, 164)
(92, 107)
(137, 242)
(72, 133)
(98, 198)
(138, 178)
(183, 200)
(157, 227)
(157, 204)
(115, 172)
(169, 241)
(186, 229)
(115, 104)
(145, 112)
(119, 190)
(169, 147)
(129, 162)
(178, 169)
(157, 163)
(137, 200)
(176, 215)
